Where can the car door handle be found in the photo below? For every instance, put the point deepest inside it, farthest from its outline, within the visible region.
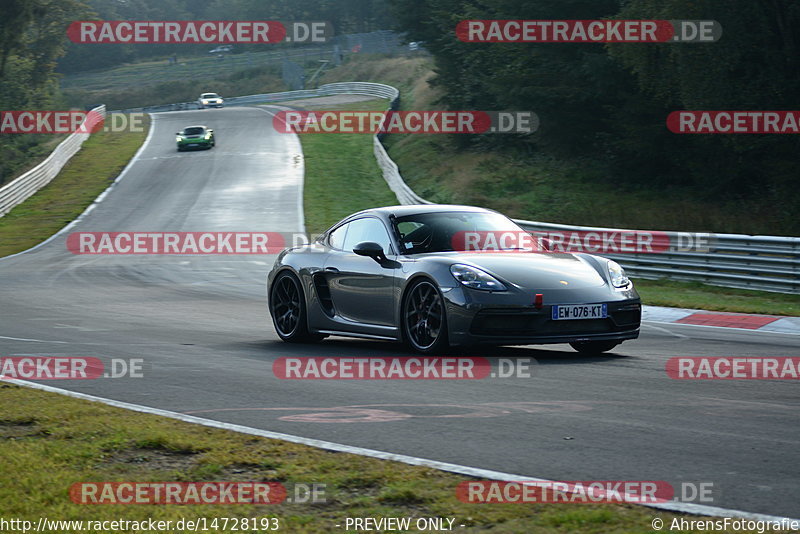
(331, 270)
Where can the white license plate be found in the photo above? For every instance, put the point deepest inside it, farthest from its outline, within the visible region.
(580, 311)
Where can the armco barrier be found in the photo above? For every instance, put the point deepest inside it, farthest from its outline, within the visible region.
(742, 261)
(346, 88)
(22, 187)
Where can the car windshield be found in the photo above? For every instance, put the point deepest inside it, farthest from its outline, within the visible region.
(446, 231)
(194, 130)
(209, 95)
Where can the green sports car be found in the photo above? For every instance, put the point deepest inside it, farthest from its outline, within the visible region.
(195, 137)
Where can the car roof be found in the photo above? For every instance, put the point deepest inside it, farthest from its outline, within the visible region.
(414, 209)
(197, 126)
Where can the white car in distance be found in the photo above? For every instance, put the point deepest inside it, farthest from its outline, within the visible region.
(210, 100)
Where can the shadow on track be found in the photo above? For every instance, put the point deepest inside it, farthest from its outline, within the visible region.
(353, 347)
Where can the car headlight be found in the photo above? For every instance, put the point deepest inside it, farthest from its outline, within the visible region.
(617, 274)
(475, 278)
(204, 101)
(179, 139)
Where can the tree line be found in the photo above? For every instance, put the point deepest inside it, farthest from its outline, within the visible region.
(609, 103)
(32, 39)
(345, 16)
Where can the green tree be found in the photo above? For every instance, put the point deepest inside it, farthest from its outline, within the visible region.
(16, 15)
(32, 38)
(754, 66)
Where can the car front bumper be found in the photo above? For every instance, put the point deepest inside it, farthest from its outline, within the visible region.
(195, 143)
(513, 319)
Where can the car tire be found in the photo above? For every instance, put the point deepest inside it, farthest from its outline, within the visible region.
(424, 318)
(594, 347)
(287, 307)
(180, 149)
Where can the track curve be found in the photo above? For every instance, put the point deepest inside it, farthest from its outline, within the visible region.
(201, 325)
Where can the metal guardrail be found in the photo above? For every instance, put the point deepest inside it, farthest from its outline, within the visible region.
(194, 67)
(22, 187)
(766, 263)
(345, 88)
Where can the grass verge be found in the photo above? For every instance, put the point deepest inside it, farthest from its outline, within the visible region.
(341, 174)
(83, 178)
(704, 297)
(50, 442)
(169, 91)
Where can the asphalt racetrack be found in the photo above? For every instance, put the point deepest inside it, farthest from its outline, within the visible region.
(201, 325)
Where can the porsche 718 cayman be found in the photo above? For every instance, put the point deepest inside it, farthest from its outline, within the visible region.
(401, 273)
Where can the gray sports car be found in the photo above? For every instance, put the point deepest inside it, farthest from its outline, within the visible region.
(403, 273)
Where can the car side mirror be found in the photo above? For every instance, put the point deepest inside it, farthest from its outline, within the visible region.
(177, 133)
(370, 249)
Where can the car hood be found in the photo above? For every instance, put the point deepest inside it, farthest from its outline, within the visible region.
(534, 270)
